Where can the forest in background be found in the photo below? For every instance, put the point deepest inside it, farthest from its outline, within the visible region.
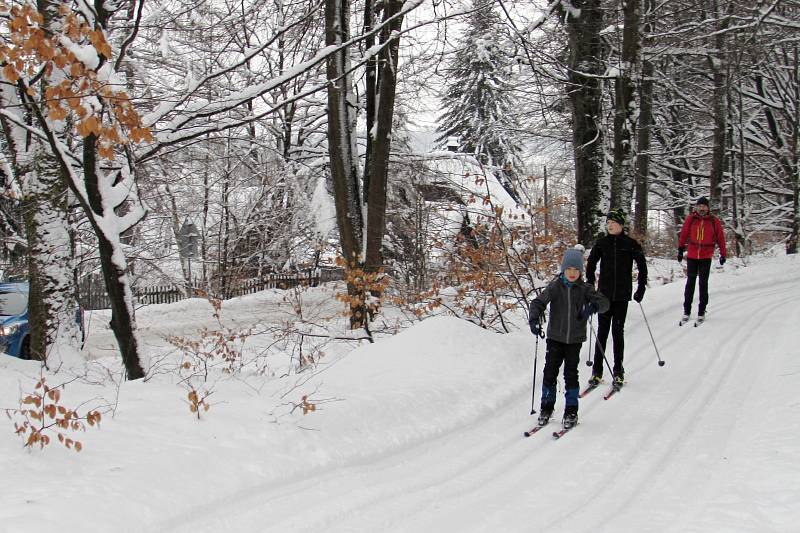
(204, 144)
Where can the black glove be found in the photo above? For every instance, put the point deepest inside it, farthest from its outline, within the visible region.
(680, 254)
(536, 326)
(588, 310)
(721, 260)
(639, 294)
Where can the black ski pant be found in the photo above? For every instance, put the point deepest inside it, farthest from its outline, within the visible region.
(569, 355)
(613, 320)
(696, 268)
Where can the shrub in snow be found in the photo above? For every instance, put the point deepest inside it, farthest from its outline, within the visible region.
(41, 415)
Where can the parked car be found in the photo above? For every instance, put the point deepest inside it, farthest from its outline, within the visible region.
(14, 329)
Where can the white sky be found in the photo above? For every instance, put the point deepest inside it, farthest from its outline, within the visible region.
(422, 431)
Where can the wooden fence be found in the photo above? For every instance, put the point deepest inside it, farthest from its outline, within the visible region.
(93, 293)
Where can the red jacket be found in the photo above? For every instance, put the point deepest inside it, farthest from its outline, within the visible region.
(701, 233)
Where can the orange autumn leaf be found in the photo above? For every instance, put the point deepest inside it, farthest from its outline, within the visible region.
(56, 112)
(89, 125)
(139, 134)
(10, 73)
(106, 151)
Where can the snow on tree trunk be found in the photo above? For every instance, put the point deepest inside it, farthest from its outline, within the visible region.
(718, 63)
(52, 302)
(624, 90)
(52, 298)
(341, 132)
(643, 136)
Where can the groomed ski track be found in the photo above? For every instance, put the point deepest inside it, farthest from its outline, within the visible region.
(675, 450)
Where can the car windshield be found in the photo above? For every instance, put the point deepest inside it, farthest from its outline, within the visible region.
(13, 303)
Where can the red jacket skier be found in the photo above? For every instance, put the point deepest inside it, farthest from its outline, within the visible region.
(701, 233)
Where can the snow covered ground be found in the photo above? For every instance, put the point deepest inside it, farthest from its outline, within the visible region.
(422, 431)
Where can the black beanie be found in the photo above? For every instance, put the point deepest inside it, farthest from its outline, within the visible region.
(702, 201)
(617, 215)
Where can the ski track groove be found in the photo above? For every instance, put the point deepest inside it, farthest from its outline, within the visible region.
(681, 435)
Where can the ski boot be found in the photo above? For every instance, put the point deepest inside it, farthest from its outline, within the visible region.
(684, 320)
(594, 381)
(619, 381)
(570, 419)
(544, 416)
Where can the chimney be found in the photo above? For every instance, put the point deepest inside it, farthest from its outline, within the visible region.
(452, 144)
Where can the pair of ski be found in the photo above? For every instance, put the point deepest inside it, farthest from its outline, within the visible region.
(556, 434)
(614, 389)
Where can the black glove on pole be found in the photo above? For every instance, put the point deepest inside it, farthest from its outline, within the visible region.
(639, 294)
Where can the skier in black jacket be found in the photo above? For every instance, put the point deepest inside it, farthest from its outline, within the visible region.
(616, 253)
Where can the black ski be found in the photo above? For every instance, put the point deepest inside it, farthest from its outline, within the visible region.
(588, 389)
(533, 430)
(614, 389)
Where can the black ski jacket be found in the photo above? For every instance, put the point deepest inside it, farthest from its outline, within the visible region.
(616, 254)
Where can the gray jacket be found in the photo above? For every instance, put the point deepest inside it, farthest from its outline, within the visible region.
(566, 302)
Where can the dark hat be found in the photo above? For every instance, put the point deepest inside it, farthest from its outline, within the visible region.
(702, 201)
(617, 215)
(573, 257)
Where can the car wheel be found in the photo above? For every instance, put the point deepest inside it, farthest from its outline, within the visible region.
(25, 348)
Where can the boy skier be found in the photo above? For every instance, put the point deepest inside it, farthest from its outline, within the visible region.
(701, 231)
(571, 303)
(616, 253)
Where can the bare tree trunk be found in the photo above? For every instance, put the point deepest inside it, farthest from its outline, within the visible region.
(342, 149)
(361, 239)
(624, 90)
(794, 236)
(341, 132)
(379, 136)
(643, 133)
(583, 25)
(718, 63)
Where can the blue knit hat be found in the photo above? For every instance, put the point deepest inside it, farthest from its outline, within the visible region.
(573, 257)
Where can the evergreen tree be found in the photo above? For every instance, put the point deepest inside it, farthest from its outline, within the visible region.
(478, 101)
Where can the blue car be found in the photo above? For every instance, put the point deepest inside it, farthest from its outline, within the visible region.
(14, 329)
(14, 338)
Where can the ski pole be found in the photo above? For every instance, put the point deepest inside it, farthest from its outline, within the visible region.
(602, 351)
(589, 351)
(533, 389)
(660, 362)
